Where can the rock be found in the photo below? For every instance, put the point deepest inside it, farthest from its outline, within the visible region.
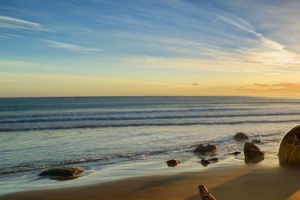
(204, 194)
(235, 153)
(204, 162)
(289, 150)
(62, 171)
(241, 136)
(173, 163)
(252, 153)
(213, 159)
(63, 178)
(210, 148)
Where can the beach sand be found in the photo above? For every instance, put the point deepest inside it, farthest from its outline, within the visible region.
(234, 182)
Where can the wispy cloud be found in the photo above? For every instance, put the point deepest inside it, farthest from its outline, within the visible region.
(230, 43)
(266, 51)
(4, 36)
(277, 86)
(276, 20)
(15, 63)
(195, 84)
(8, 36)
(15, 23)
(255, 53)
(283, 88)
(225, 65)
(72, 47)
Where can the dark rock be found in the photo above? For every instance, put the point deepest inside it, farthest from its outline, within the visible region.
(213, 159)
(253, 160)
(63, 178)
(289, 150)
(252, 153)
(173, 163)
(62, 171)
(235, 153)
(241, 136)
(210, 148)
(204, 193)
(204, 162)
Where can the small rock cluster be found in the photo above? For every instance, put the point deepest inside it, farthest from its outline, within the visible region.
(251, 152)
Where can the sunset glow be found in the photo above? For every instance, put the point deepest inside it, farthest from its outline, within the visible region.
(143, 48)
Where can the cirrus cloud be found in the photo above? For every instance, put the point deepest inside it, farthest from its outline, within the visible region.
(278, 89)
(72, 47)
(7, 22)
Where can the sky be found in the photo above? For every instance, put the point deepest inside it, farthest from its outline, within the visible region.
(149, 48)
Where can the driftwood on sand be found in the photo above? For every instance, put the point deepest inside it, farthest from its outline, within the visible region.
(204, 194)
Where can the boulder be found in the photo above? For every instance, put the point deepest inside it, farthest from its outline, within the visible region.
(210, 148)
(173, 163)
(62, 171)
(241, 136)
(252, 153)
(289, 150)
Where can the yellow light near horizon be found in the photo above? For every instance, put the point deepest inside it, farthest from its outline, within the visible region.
(38, 85)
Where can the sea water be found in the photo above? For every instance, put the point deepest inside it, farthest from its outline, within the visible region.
(119, 137)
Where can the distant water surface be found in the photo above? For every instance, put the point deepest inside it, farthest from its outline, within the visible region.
(105, 135)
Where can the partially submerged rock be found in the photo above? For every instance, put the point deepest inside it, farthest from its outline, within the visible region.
(206, 162)
(241, 136)
(213, 159)
(173, 163)
(210, 148)
(235, 153)
(289, 150)
(62, 171)
(252, 153)
(63, 178)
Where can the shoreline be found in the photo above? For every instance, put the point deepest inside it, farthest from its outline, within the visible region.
(255, 181)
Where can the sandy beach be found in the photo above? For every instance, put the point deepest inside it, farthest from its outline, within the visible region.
(236, 182)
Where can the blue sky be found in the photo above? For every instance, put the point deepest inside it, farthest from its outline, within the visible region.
(178, 47)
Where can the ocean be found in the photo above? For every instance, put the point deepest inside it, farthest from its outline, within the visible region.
(118, 137)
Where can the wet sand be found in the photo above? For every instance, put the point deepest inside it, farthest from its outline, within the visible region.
(235, 182)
